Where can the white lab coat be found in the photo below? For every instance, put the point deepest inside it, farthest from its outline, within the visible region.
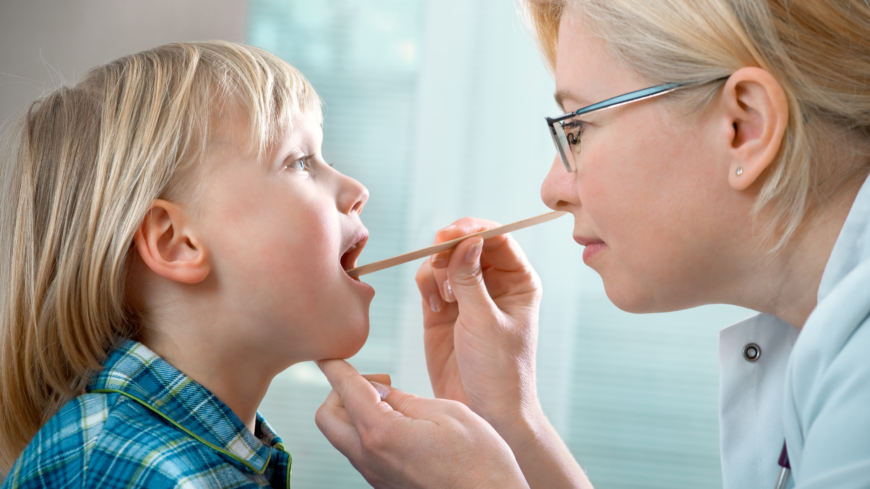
(812, 389)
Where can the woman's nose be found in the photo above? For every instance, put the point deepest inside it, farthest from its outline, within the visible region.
(559, 191)
(352, 195)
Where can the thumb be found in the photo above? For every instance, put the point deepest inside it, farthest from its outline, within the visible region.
(465, 275)
(421, 408)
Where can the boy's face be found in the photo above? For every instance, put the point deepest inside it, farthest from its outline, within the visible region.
(280, 234)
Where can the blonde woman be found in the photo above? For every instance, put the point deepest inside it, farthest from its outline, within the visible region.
(711, 151)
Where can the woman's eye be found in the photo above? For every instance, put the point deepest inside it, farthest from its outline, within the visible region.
(573, 131)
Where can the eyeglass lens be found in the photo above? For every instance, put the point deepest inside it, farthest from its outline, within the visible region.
(566, 137)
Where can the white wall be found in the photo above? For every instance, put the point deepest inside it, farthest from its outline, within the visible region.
(43, 42)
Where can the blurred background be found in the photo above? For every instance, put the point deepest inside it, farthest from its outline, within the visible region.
(438, 107)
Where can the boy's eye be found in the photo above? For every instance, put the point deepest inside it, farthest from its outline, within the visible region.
(299, 165)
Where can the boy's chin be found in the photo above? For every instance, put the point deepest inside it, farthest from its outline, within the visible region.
(350, 343)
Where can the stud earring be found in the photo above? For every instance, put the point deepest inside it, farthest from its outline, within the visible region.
(739, 171)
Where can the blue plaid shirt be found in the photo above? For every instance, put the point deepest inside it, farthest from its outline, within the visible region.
(144, 424)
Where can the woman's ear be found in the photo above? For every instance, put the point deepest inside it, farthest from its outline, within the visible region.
(169, 246)
(756, 112)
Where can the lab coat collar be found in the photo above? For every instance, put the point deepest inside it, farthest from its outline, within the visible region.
(852, 246)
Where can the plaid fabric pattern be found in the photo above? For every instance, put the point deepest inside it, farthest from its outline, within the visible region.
(144, 424)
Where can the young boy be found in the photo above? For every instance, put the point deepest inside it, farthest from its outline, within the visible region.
(202, 250)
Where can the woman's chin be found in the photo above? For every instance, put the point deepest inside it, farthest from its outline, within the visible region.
(636, 299)
(630, 298)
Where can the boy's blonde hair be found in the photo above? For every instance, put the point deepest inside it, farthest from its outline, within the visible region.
(818, 50)
(81, 169)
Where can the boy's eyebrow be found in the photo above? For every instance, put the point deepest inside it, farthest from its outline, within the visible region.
(295, 151)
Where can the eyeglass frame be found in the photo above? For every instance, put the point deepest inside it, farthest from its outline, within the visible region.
(627, 98)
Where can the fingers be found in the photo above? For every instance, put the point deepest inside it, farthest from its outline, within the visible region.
(349, 386)
(383, 379)
(439, 261)
(381, 383)
(332, 417)
(360, 398)
(444, 289)
(430, 283)
(504, 253)
(337, 372)
(421, 408)
(332, 420)
(466, 279)
(501, 252)
(460, 228)
(428, 287)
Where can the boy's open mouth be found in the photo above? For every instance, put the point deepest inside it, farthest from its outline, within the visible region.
(354, 248)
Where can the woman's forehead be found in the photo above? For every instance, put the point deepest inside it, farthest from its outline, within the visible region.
(586, 70)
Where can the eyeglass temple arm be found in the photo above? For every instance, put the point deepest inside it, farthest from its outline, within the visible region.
(622, 100)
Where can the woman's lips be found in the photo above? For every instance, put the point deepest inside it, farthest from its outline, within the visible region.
(592, 247)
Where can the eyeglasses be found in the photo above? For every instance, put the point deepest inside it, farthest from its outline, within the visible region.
(566, 129)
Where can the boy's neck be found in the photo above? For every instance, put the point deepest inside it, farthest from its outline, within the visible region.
(239, 382)
(202, 333)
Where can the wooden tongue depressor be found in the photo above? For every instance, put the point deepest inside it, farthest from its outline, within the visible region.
(431, 250)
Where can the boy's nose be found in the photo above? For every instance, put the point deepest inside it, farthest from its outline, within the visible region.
(352, 196)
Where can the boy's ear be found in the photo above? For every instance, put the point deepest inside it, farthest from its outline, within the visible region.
(756, 111)
(169, 247)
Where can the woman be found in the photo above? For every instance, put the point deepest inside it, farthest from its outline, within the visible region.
(737, 178)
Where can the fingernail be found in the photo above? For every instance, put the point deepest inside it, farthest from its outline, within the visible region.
(473, 253)
(435, 302)
(448, 228)
(383, 390)
(448, 292)
(437, 261)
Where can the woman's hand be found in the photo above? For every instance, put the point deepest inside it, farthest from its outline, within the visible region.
(399, 440)
(481, 334)
(480, 318)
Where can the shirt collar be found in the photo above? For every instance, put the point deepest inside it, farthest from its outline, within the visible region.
(140, 374)
(853, 243)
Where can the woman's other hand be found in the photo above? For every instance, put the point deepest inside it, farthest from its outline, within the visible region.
(395, 439)
(480, 318)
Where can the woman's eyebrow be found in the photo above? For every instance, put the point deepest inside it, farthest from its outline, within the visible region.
(561, 96)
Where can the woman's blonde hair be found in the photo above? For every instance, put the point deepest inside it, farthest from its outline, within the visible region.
(80, 170)
(818, 50)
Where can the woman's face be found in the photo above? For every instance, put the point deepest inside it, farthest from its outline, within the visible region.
(650, 197)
